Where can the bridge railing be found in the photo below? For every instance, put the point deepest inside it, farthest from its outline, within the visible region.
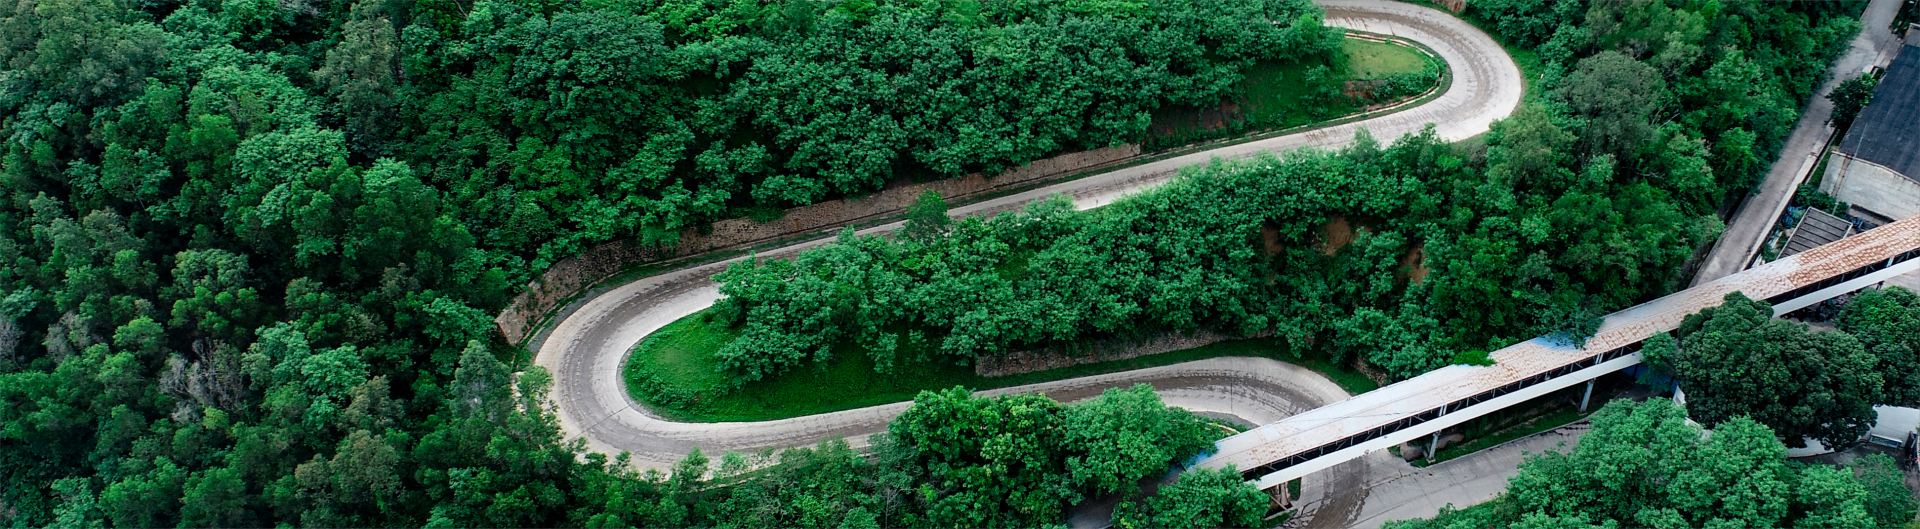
(1880, 269)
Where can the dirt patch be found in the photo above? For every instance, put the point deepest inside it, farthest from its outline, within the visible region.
(1270, 240)
(1362, 90)
(1413, 265)
(1337, 233)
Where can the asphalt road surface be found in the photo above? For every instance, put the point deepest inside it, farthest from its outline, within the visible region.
(588, 348)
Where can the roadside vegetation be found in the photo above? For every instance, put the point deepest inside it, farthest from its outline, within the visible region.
(1735, 360)
(1281, 94)
(1582, 203)
(954, 460)
(1644, 465)
(672, 371)
(252, 247)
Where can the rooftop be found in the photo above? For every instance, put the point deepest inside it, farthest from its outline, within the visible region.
(1817, 229)
(1887, 132)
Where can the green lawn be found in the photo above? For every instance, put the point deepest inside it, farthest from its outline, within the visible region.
(673, 372)
(1376, 60)
(1279, 94)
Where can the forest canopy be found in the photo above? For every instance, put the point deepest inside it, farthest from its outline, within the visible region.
(252, 247)
(1652, 119)
(1645, 465)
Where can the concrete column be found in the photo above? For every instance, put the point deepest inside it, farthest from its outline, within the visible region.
(1588, 395)
(1281, 500)
(1433, 447)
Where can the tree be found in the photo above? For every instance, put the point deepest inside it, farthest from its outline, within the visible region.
(1736, 360)
(1528, 150)
(1204, 497)
(1888, 500)
(78, 507)
(216, 497)
(361, 73)
(927, 217)
(481, 386)
(1887, 323)
(1617, 95)
(1850, 97)
(990, 462)
(1644, 465)
(212, 295)
(1128, 435)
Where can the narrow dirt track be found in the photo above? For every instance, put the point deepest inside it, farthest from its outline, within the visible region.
(586, 350)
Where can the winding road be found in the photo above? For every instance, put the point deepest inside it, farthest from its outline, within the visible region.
(587, 349)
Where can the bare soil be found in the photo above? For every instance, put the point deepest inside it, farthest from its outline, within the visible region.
(1413, 266)
(1337, 233)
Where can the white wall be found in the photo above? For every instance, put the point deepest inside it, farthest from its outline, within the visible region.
(1871, 187)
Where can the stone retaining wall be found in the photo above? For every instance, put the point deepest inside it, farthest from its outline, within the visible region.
(570, 276)
(1100, 351)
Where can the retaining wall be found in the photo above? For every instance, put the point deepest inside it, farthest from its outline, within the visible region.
(1099, 351)
(570, 276)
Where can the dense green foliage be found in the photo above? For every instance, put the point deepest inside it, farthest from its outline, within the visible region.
(1020, 460)
(1887, 323)
(251, 247)
(1203, 497)
(671, 372)
(1584, 203)
(1284, 94)
(570, 123)
(1644, 465)
(1851, 97)
(1735, 360)
(952, 460)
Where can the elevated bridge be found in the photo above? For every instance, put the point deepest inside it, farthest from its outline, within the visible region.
(1279, 452)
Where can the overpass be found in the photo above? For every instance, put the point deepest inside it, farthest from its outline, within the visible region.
(1293, 447)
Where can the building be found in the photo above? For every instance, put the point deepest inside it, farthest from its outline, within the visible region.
(1876, 168)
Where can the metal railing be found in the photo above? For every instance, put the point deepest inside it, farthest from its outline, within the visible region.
(1437, 412)
(1844, 277)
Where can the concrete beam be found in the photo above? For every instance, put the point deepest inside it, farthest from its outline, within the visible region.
(1454, 418)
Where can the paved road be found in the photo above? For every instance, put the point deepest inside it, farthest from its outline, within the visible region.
(1873, 46)
(586, 350)
(1396, 490)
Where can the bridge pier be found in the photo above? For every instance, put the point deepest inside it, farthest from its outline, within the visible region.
(1433, 447)
(1281, 499)
(1586, 396)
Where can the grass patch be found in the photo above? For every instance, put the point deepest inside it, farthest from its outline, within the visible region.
(1286, 94)
(674, 371)
(1377, 60)
(1556, 419)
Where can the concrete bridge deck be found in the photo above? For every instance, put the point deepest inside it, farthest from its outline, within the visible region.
(1320, 438)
